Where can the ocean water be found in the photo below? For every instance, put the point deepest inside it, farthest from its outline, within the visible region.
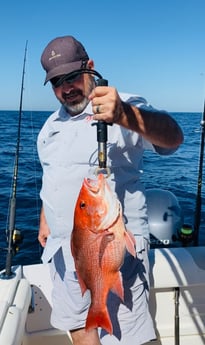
(177, 173)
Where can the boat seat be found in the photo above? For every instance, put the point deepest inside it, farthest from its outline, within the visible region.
(13, 312)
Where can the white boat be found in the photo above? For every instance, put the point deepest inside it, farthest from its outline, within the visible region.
(177, 293)
(177, 277)
(177, 301)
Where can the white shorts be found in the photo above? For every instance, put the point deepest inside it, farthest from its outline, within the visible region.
(131, 320)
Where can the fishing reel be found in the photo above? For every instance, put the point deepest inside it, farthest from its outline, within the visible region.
(14, 239)
(186, 235)
(17, 239)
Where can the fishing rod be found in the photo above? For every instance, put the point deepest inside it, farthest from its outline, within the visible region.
(197, 218)
(102, 139)
(13, 235)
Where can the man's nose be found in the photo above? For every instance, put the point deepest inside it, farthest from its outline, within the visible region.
(66, 86)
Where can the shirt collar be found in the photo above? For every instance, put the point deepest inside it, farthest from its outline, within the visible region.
(63, 114)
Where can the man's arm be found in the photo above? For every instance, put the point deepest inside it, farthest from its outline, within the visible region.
(155, 126)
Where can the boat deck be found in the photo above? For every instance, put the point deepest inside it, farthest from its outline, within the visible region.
(177, 301)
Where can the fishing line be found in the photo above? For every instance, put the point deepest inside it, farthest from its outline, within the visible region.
(197, 219)
(34, 160)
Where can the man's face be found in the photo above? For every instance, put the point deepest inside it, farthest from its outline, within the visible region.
(73, 94)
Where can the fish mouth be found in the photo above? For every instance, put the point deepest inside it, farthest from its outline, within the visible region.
(100, 186)
(94, 185)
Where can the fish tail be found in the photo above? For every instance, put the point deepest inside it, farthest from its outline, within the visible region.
(99, 318)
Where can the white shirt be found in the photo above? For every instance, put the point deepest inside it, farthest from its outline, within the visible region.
(68, 152)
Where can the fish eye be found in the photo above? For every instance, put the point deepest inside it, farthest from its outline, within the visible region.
(82, 204)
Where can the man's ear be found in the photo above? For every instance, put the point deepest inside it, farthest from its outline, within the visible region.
(90, 64)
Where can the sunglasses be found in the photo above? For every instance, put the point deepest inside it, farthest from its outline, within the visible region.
(68, 78)
(58, 81)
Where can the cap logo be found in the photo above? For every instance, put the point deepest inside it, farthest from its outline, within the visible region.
(54, 55)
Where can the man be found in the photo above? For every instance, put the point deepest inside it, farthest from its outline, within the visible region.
(67, 146)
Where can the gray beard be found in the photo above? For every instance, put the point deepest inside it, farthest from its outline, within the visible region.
(76, 109)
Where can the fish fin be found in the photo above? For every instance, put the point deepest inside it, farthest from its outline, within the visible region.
(117, 288)
(82, 284)
(99, 318)
(130, 243)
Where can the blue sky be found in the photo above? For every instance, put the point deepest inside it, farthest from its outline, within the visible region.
(155, 48)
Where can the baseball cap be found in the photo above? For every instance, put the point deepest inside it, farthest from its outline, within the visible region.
(61, 56)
